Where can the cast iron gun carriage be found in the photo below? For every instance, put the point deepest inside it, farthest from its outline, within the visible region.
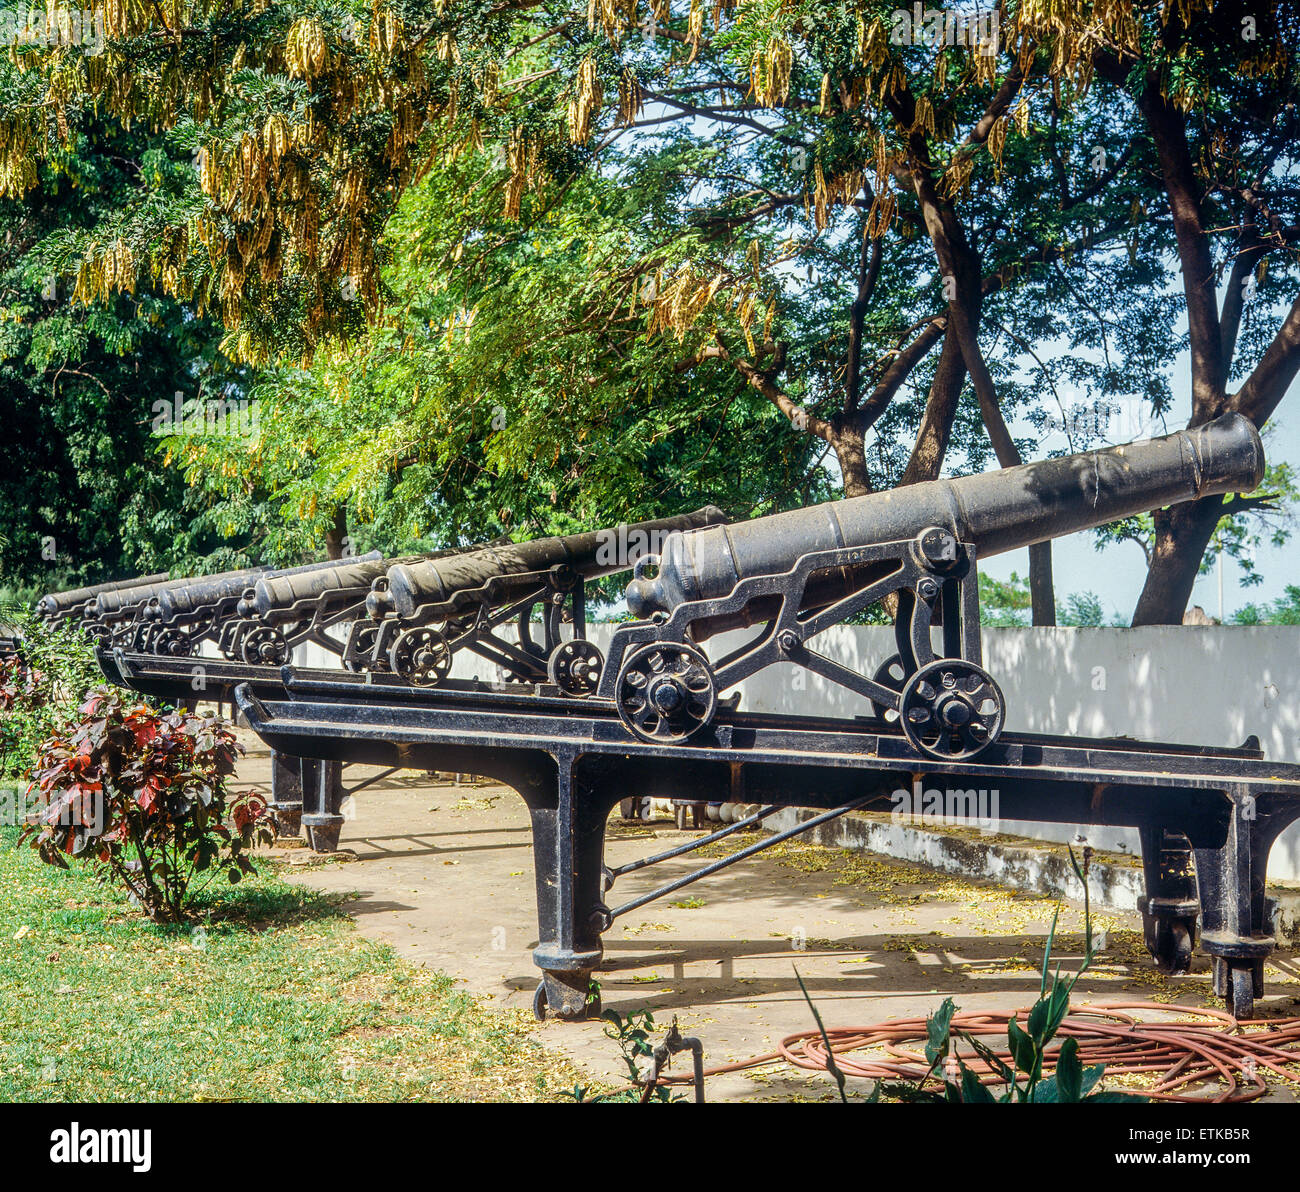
(173, 617)
(656, 723)
(427, 612)
(443, 603)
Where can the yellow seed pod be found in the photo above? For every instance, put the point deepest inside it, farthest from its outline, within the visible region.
(305, 50)
(998, 138)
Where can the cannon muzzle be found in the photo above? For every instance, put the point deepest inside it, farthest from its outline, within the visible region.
(66, 604)
(993, 511)
(509, 566)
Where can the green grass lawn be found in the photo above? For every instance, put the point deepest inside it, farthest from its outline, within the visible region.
(276, 997)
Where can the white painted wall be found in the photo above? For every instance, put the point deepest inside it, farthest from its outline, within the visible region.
(1197, 685)
(1200, 685)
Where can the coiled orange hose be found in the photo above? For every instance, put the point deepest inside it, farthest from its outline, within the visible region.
(1215, 1062)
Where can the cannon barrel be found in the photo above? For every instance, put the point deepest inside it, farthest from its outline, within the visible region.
(993, 511)
(62, 604)
(275, 597)
(124, 601)
(187, 597)
(590, 555)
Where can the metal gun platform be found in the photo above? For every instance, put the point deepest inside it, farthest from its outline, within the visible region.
(573, 759)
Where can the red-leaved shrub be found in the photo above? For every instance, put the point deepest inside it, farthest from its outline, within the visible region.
(144, 792)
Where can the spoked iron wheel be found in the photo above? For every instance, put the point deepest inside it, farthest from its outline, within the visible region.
(172, 643)
(575, 666)
(265, 646)
(666, 692)
(951, 710)
(421, 656)
(362, 646)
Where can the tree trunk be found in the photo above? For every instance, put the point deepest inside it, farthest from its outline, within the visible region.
(940, 410)
(1182, 534)
(336, 538)
(1042, 589)
(849, 445)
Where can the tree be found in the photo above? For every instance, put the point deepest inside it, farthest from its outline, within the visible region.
(503, 397)
(85, 497)
(1004, 604)
(857, 226)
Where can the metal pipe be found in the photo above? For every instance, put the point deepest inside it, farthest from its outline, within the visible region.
(692, 845)
(748, 851)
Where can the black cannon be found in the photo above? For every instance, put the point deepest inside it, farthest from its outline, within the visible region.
(127, 616)
(429, 611)
(284, 611)
(74, 604)
(261, 617)
(796, 574)
(173, 617)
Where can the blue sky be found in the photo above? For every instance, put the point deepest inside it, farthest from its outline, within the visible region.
(1116, 574)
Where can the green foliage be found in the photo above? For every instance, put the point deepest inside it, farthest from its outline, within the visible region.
(1004, 603)
(86, 495)
(143, 793)
(632, 1034)
(510, 395)
(41, 687)
(1084, 610)
(1285, 610)
(585, 266)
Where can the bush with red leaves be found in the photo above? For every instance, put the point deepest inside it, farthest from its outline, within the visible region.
(144, 793)
(19, 683)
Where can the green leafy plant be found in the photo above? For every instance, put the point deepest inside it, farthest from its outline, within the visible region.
(1285, 610)
(632, 1033)
(1004, 603)
(1029, 1044)
(41, 687)
(143, 793)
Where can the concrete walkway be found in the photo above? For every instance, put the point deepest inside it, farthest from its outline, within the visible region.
(444, 874)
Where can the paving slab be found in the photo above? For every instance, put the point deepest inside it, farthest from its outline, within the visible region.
(443, 872)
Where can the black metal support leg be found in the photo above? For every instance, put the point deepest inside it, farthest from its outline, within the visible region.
(1237, 921)
(322, 785)
(1169, 909)
(286, 793)
(568, 852)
